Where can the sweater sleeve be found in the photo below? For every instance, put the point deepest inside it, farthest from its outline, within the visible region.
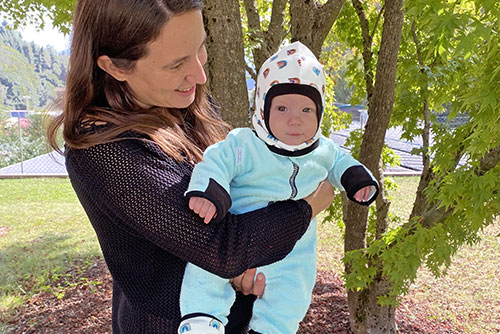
(141, 190)
(350, 175)
(211, 177)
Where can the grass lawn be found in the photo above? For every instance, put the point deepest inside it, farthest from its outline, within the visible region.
(44, 232)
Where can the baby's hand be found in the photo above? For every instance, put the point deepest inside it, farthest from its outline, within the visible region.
(362, 195)
(203, 207)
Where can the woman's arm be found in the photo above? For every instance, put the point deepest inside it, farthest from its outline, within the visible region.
(137, 186)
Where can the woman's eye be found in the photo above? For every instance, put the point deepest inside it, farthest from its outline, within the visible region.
(307, 109)
(175, 67)
(282, 108)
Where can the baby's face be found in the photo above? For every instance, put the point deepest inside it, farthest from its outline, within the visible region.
(293, 118)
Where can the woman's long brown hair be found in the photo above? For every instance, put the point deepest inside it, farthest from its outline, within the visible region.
(122, 29)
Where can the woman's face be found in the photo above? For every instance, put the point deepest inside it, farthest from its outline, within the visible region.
(168, 74)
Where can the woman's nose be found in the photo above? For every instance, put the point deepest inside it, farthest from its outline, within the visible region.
(197, 73)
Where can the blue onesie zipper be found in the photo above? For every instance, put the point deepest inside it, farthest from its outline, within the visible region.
(292, 180)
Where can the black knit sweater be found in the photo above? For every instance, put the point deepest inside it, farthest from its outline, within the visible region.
(133, 194)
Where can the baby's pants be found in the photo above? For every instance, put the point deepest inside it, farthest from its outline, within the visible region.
(289, 285)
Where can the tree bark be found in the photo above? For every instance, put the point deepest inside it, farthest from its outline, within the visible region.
(366, 315)
(226, 60)
(421, 202)
(311, 21)
(367, 45)
(268, 41)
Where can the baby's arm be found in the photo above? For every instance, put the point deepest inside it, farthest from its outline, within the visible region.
(350, 175)
(211, 177)
(203, 207)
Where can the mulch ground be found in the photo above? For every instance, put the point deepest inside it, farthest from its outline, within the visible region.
(86, 309)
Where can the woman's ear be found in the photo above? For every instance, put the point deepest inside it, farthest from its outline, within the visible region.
(106, 64)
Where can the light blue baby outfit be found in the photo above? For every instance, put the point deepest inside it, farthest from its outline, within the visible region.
(250, 169)
(254, 176)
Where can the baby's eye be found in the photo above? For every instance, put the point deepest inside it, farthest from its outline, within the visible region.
(307, 110)
(282, 108)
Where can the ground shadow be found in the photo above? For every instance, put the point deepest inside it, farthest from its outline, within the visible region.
(86, 309)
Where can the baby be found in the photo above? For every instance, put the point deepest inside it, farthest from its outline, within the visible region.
(284, 157)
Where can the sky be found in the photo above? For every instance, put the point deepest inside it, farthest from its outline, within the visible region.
(47, 36)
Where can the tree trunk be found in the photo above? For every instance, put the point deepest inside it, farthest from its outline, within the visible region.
(267, 41)
(379, 319)
(366, 315)
(311, 21)
(226, 61)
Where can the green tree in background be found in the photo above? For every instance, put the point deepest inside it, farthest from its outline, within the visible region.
(59, 12)
(32, 134)
(447, 62)
(410, 60)
(29, 76)
(28, 70)
(19, 79)
(3, 92)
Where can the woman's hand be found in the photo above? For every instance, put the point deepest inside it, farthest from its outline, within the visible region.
(248, 284)
(321, 198)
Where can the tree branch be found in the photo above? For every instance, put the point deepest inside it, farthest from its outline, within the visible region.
(311, 21)
(326, 15)
(377, 21)
(383, 204)
(252, 15)
(276, 32)
(421, 202)
(255, 33)
(417, 44)
(251, 71)
(437, 214)
(489, 161)
(367, 47)
(303, 15)
(430, 217)
(267, 41)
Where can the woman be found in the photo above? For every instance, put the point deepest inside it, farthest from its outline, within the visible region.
(136, 118)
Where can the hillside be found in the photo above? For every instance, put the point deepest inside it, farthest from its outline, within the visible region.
(27, 69)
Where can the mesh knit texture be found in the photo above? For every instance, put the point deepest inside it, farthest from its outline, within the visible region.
(132, 193)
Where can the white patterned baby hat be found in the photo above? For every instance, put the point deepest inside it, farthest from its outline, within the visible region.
(292, 70)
